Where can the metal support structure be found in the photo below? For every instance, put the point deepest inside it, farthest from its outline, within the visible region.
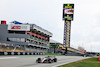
(67, 29)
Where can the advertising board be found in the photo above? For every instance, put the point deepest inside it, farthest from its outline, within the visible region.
(68, 11)
(19, 27)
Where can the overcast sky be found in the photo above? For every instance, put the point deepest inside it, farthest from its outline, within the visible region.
(85, 28)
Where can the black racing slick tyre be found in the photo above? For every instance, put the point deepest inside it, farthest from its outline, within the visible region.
(38, 60)
(49, 60)
(55, 59)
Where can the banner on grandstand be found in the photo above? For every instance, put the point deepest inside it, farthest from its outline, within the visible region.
(34, 34)
(19, 27)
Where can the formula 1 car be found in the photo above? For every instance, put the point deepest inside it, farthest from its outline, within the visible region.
(48, 59)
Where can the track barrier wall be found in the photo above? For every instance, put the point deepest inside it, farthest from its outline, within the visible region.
(21, 53)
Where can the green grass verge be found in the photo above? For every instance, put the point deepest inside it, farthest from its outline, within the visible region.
(52, 54)
(91, 62)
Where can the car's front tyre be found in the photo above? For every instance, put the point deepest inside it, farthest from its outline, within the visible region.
(49, 60)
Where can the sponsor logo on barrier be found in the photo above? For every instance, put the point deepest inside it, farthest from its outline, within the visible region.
(5, 53)
(23, 53)
(35, 53)
(18, 53)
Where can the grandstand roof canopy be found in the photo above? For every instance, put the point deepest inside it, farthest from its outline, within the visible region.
(16, 22)
(53, 41)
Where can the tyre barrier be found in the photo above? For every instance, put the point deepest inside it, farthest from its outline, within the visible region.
(21, 53)
(35, 53)
(5, 53)
(25, 53)
(31, 53)
(28, 53)
(9, 53)
(12, 53)
(18, 53)
(15, 53)
(41, 53)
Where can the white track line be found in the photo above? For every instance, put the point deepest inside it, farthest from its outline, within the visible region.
(8, 57)
(66, 62)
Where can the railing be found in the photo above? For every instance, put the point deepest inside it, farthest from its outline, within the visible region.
(38, 45)
(37, 39)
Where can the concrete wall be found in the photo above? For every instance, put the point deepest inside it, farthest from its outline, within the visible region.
(4, 34)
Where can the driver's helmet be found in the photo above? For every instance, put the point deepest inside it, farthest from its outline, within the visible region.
(48, 56)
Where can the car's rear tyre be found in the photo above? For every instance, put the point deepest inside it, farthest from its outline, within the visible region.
(38, 60)
(55, 59)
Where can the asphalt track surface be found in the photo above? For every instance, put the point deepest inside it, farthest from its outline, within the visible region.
(30, 61)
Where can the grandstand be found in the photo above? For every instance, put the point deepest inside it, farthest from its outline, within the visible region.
(24, 37)
(60, 49)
